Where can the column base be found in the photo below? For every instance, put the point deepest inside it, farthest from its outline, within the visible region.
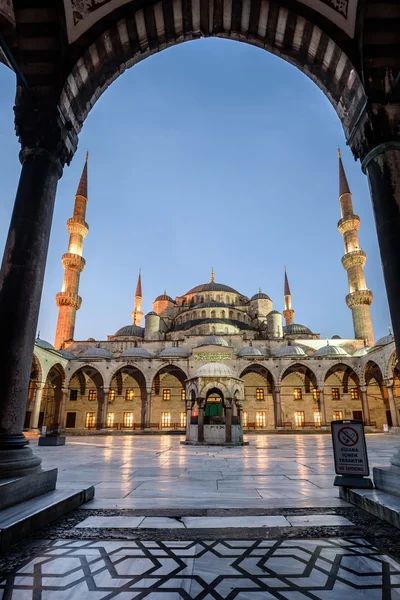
(18, 462)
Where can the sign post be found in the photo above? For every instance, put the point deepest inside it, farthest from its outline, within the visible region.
(350, 454)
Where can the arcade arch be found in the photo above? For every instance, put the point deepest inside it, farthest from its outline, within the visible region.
(85, 404)
(126, 399)
(167, 406)
(302, 400)
(259, 388)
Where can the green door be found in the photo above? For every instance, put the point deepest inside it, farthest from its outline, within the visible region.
(213, 409)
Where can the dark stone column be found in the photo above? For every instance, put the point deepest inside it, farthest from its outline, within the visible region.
(147, 421)
(21, 282)
(382, 166)
(200, 420)
(277, 406)
(364, 404)
(228, 423)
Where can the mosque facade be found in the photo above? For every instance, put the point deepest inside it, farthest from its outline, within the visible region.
(210, 350)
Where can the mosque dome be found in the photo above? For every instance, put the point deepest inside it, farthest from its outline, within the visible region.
(290, 351)
(174, 352)
(213, 340)
(362, 351)
(211, 287)
(164, 297)
(330, 351)
(135, 352)
(97, 353)
(66, 354)
(214, 369)
(130, 330)
(296, 329)
(43, 344)
(260, 296)
(385, 340)
(250, 351)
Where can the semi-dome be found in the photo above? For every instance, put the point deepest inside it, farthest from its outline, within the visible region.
(385, 340)
(43, 344)
(66, 354)
(97, 353)
(214, 369)
(333, 351)
(260, 296)
(296, 329)
(130, 330)
(213, 340)
(174, 352)
(362, 351)
(211, 287)
(250, 351)
(135, 352)
(290, 351)
(164, 297)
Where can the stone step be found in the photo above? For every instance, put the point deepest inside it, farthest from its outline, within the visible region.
(380, 504)
(23, 519)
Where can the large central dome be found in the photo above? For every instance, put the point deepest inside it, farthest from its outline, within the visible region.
(212, 286)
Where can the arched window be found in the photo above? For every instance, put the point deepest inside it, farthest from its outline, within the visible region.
(218, 298)
(231, 314)
(228, 300)
(213, 314)
(194, 315)
(203, 314)
(238, 316)
(222, 314)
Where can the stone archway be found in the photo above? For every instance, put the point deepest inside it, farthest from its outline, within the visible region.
(87, 384)
(126, 399)
(166, 401)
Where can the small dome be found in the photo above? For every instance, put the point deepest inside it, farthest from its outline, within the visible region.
(274, 312)
(214, 369)
(97, 353)
(43, 344)
(296, 329)
(66, 354)
(362, 351)
(260, 296)
(152, 314)
(250, 351)
(336, 337)
(333, 351)
(130, 331)
(290, 351)
(91, 340)
(174, 352)
(164, 297)
(136, 353)
(385, 340)
(213, 340)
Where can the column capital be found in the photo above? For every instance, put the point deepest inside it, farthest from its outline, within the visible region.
(362, 388)
(389, 383)
(376, 130)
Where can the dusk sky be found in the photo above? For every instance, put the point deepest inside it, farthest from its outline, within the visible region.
(211, 153)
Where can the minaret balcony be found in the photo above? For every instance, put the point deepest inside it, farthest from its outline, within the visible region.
(77, 226)
(73, 261)
(356, 258)
(359, 298)
(349, 223)
(68, 299)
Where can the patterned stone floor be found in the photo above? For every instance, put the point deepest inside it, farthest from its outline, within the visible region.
(325, 569)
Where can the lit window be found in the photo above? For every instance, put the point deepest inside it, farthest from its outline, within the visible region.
(90, 420)
(166, 394)
(354, 394)
(317, 418)
(129, 394)
(299, 418)
(128, 419)
(111, 395)
(183, 419)
(244, 419)
(92, 395)
(335, 394)
(260, 419)
(259, 394)
(110, 419)
(73, 395)
(183, 394)
(297, 394)
(316, 394)
(337, 415)
(166, 419)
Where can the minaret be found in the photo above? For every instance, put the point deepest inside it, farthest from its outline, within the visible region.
(360, 297)
(137, 314)
(212, 275)
(67, 300)
(288, 313)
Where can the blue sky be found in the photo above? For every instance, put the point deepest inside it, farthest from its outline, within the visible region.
(211, 153)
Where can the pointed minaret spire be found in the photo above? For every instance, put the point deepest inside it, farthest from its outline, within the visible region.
(137, 314)
(212, 275)
(288, 313)
(360, 297)
(67, 300)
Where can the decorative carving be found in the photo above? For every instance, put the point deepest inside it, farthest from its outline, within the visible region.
(356, 258)
(349, 224)
(68, 299)
(341, 6)
(341, 12)
(82, 14)
(76, 225)
(359, 298)
(212, 356)
(73, 261)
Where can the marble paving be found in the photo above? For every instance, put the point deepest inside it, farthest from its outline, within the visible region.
(156, 472)
(325, 569)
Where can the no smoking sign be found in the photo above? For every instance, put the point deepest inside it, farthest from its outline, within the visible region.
(348, 436)
(349, 448)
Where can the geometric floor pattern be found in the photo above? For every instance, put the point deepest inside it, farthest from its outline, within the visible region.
(323, 569)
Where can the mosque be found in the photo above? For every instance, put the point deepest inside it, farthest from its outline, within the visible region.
(211, 348)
